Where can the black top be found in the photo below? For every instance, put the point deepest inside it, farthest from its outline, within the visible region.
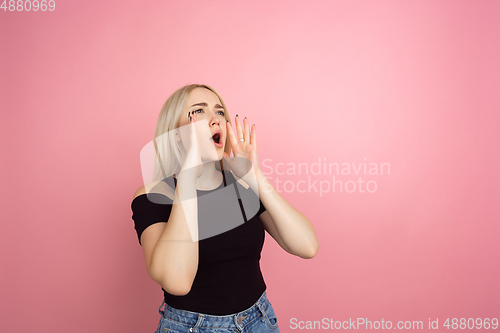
(228, 279)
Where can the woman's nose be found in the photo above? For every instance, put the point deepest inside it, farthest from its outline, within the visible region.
(215, 121)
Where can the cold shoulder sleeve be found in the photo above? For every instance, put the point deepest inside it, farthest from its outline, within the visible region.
(150, 209)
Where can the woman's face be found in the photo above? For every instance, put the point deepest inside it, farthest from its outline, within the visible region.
(210, 121)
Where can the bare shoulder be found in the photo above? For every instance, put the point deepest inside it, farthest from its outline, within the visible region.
(140, 191)
(240, 181)
(159, 187)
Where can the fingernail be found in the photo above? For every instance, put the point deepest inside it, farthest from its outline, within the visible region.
(245, 118)
(227, 121)
(236, 115)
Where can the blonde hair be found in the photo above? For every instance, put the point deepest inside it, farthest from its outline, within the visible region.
(168, 153)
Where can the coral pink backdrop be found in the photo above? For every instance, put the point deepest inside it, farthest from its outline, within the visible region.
(404, 92)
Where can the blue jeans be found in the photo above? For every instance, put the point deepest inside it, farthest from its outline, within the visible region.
(258, 318)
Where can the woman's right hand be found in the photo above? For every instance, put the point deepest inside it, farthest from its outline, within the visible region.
(192, 166)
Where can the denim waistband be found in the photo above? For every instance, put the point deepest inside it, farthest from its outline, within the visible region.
(201, 320)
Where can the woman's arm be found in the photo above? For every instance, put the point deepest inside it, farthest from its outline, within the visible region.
(170, 253)
(289, 227)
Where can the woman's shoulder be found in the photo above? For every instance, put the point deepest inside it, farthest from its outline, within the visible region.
(239, 180)
(139, 192)
(158, 187)
(166, 187)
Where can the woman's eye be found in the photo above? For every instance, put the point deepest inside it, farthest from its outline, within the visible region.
(221, 113)
(198, 110)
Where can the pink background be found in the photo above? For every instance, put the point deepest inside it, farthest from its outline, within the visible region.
(410, 83)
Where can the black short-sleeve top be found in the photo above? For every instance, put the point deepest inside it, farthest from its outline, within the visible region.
(228, 279)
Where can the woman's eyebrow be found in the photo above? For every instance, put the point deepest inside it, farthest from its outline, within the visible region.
(217, 106)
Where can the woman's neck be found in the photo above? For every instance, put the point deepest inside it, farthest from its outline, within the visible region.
(210, 179)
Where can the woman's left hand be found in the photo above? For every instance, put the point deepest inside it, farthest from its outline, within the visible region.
(243, 151)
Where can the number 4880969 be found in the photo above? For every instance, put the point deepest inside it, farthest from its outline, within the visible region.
(28, 5)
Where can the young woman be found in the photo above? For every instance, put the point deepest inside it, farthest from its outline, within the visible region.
(202, 223)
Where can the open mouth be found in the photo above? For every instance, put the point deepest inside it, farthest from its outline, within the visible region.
(216, 138)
